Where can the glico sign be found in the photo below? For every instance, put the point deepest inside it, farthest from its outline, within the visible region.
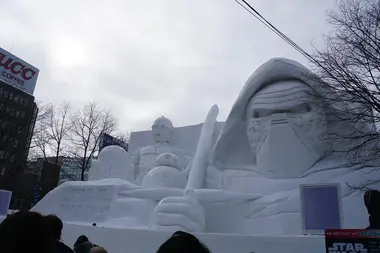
(17, 73)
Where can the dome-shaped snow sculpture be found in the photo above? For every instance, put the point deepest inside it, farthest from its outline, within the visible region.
(112, 152)
(164, 122)
(112, 162)
(165, 174)
(168, 159)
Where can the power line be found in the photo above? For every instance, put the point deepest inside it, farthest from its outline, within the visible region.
(258, 16)
(274, 29)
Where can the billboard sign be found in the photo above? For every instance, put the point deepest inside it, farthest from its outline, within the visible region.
(17, 72)
(352, 240)
(321, 207)
(5, 200)
(108, 140)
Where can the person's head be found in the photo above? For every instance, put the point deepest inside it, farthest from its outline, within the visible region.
(82, 239)
(83, 247)
(56, 225)
(162, 130)
(182, 242)
(98, 249)
(25, 232)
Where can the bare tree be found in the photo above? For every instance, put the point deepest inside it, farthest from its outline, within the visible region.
(349, 66)
(60, 126)
(51, 130)
(44, 111)
(41, 137)
(88, 124)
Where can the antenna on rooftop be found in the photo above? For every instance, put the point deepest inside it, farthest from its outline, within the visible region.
(10, 49)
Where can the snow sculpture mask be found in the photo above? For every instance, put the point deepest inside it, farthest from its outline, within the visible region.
(162, 130)
(285, 128)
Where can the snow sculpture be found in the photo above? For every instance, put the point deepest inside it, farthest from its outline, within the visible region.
(166, 173)
(112, 162)
(143, 159)
(271, 143)
(248, 182)
(83, 201)
(284, 129)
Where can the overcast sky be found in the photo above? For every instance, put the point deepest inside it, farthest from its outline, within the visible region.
(143, 59)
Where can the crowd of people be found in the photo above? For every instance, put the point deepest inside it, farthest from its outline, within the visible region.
(28, 231)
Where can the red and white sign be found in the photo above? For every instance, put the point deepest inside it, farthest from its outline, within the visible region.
(17, 72)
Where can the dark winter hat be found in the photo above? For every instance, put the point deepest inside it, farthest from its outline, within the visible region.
(183, 242)
(84, 247)
(82, 238)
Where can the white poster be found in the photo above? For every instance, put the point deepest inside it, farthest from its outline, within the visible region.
(17, 72)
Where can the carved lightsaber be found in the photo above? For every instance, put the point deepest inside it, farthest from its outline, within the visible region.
(199, 164)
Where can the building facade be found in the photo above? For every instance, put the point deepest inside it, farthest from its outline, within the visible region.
(71, 170)
(18, 113)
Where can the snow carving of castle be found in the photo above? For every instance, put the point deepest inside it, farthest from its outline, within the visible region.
(237, 177)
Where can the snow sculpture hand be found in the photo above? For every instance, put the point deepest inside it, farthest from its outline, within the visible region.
(213, 178)
(178, 213)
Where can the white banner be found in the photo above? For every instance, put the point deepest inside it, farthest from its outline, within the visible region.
(17, 72)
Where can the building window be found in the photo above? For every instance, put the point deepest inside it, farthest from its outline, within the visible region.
(15, 143)
(3, 169)
(12, 158)
(1, 154)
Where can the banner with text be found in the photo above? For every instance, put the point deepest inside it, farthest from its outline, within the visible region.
(352, 240)
(17, 72)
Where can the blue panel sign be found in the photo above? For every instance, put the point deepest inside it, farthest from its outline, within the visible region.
(5, 200)
(321, 207)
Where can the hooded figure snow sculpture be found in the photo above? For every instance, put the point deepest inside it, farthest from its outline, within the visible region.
(272, 142)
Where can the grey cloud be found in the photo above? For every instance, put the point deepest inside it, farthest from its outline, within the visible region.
(147, 58)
